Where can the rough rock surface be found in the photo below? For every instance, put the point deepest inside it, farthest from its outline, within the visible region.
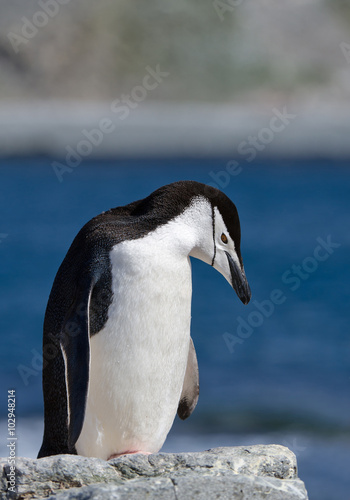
(251, 472)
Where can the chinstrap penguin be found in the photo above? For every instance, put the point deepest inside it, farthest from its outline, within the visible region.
(119, 361)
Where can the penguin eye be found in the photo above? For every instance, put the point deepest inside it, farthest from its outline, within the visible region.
(224, 238)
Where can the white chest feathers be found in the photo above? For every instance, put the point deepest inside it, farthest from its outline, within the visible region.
(138, 360)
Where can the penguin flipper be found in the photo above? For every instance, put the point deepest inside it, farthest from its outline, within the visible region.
(75, 346)
(190, 389)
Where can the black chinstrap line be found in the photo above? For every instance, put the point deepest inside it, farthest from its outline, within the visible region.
(213, 221)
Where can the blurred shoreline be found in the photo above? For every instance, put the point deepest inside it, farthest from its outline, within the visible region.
(312, 128)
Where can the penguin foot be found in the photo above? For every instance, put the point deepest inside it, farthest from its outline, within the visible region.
(116, 455)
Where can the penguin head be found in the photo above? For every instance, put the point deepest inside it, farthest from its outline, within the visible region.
(207, 226)
(219, 244)
(227, 257)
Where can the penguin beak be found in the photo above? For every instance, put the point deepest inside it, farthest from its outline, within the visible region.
(239, 280)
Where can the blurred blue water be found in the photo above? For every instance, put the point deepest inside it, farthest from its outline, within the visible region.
(292, 373)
